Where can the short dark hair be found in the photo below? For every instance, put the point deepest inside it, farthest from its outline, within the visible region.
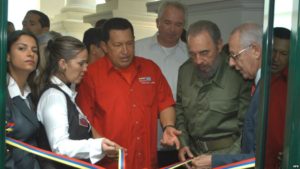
(92, 36)
(115, 24)
(100, 23)
(44, 19)
(205, 25)
(282, 33)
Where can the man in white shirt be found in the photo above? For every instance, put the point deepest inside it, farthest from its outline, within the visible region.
(167, 50)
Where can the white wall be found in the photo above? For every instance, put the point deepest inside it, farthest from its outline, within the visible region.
(18, 8)
(283, 13)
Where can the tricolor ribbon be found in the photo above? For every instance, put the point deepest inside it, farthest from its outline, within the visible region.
(9, 127)
(121, 163)
(177, 164)
(50, 155)
(248, 163)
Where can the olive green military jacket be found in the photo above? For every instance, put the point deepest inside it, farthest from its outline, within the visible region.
(211, 109)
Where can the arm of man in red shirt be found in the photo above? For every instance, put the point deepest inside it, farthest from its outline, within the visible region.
(167, 119)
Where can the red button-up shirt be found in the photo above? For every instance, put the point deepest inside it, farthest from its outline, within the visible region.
(123, 111)
(276, 119)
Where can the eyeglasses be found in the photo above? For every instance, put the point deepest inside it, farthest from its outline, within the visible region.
(236, 56)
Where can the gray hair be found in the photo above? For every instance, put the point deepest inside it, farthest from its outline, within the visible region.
(249, 33)
(208, 26)
(164, 5)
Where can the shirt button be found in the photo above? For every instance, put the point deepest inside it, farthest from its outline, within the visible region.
(137, 122)
(133, 105)
(131, 90)
(138, 138)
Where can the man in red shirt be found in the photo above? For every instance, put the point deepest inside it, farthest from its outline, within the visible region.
(123, 95)
(278, 94)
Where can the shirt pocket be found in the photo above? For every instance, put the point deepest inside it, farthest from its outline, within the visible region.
(148, 95)
(189, 107)
(224, 107)
(224, 114)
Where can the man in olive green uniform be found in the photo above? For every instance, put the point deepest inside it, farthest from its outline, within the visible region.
(211, 97)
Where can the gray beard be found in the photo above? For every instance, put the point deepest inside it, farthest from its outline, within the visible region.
(213, 69)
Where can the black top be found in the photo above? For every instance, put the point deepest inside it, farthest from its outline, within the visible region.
(26, 128)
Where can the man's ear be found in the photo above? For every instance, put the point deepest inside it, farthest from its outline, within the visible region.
(257, 50)
(220, 45)
(92, 49)
(103, 45)
(157, 22)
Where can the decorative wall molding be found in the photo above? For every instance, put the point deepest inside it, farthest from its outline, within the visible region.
(208, 5)
(134, 10)
(225, 13)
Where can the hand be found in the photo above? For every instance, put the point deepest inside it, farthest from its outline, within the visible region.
(170, 137)
(202, 162)
(110, 148)
(183, 153)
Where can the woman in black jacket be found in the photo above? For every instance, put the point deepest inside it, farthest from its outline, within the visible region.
(22, 60)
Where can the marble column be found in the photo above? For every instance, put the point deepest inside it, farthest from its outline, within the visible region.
(69, 21)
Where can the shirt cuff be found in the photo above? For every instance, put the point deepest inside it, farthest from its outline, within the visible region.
(183, 141)
(96, 153)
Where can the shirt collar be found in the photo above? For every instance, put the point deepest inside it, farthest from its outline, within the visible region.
(70, 92)
(154, 42)
(257, 77)
(14, 89)
(111, 68)
(220, 71)
(283, 74)
(44, 38)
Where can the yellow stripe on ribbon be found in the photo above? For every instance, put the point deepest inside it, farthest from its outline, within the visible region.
(9, 130)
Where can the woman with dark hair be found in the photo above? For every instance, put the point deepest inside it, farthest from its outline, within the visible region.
(22, 59)
(67, 128)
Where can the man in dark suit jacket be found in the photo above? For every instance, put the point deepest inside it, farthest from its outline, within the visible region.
(245, 56)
